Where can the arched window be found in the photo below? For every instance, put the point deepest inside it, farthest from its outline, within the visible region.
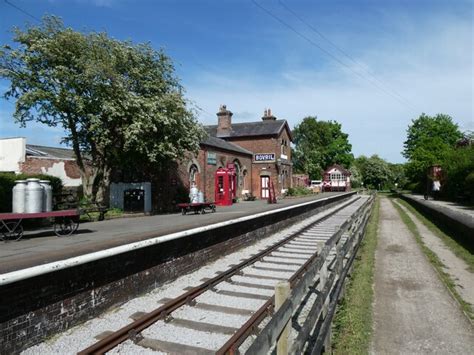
(238, 173)
(244, 178)
(193, 171)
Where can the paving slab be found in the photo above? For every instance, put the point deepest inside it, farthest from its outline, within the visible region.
(41, 247)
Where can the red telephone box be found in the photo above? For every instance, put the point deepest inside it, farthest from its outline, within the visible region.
(225, 186)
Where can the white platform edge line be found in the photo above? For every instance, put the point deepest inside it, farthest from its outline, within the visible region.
(38, 270)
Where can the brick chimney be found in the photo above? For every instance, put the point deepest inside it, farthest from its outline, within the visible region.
(224, 122)
(267, 115)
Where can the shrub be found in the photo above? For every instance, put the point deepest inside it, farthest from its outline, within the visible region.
(7, 182)
(298, 191)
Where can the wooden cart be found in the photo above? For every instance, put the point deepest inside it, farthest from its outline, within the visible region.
(198, 207)
(65, 223)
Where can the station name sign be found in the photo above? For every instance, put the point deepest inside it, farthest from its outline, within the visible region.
(264, 157)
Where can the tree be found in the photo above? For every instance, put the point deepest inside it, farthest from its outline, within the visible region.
(117, 102)
(427, 133)
(375, 171)
(319, 144)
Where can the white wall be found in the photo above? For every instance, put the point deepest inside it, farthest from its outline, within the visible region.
(12, 153)
(59, 171)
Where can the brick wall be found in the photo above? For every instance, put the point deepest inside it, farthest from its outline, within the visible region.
(274, 170)
(66, 170)
(34, 309)
(205, 177)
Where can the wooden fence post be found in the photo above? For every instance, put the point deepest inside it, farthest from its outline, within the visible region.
(282, 291)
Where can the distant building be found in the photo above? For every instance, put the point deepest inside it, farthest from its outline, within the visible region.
(336, 178)
(18, 157)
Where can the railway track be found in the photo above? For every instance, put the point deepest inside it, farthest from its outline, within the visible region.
(221, 314)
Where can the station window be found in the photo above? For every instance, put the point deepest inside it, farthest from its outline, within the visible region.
(337, 177)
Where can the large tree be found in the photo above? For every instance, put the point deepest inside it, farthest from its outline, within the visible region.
(319, 144)
(118, 102)
(376, 172)
(429, 141)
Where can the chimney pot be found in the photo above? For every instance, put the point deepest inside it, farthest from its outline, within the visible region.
(224, 122)
(267, 115)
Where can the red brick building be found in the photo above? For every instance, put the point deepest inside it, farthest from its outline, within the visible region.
(215, 153)
(269, 141)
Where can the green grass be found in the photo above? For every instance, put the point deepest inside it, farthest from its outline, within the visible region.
(352, 324)
(434, 260)
(94, 216)
(459, 250)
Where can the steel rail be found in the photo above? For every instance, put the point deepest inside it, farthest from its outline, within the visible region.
(129, 331)
(268, 337)
(231, 346)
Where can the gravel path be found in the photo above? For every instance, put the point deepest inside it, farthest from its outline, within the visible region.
(413, 312)
(455, 267)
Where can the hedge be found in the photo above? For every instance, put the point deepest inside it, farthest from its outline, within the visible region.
(7, 181)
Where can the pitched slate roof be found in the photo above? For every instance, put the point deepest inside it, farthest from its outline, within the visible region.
(338, 167)
(249, 129)
(49, 152)
(222, 144)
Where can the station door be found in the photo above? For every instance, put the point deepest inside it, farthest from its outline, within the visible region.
(264, 186)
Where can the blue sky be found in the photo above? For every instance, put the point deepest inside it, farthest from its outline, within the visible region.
(405, 57)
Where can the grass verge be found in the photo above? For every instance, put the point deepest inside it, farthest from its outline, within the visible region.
(460, 251)
(352, 326)
(434, 260)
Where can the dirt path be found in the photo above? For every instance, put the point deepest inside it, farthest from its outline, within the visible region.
(455, 266)
(413, 312)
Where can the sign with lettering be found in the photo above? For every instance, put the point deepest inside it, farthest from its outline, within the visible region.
(211, 158)
(264, 157)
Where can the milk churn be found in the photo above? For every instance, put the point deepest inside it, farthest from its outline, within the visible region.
(19, 192)
(193, 194)
(47, 195)
(34, 196)
(200, 197)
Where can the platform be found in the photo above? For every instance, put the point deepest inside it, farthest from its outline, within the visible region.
(41, 247)
(459, 218)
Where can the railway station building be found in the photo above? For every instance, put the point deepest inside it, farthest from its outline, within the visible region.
(256, 156)
(269, 142)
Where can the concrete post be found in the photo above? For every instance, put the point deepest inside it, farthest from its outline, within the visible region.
(282, 291)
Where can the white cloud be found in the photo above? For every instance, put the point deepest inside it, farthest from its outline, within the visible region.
(432, 70)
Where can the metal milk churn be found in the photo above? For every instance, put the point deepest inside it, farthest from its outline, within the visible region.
(19, 192)
(193, 195)
(34, 196)
(200, 197)
(47, 195)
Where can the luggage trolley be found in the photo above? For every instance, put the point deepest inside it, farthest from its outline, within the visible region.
(65, 223)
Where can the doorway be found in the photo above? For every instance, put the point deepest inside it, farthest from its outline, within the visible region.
(264, 186)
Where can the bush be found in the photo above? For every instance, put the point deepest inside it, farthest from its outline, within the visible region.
(7, 181)
(414, 187)
(469, 184)
(298, 191)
